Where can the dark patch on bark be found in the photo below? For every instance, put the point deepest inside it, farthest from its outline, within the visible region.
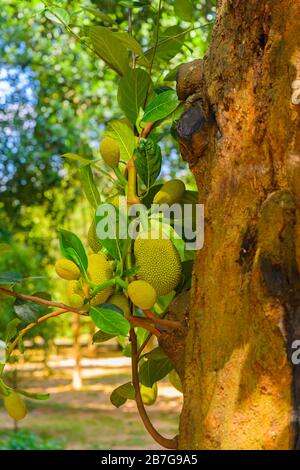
(248, 249)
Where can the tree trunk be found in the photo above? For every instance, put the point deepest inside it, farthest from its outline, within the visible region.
(240, 134)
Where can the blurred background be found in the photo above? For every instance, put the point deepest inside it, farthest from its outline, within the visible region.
(56, 98)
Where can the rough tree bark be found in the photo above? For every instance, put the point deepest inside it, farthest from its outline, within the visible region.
(240, 134)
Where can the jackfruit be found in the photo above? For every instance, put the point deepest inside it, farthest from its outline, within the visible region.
(93, 241)
(15, 406)
(110, 151)
(148, 394)
(121, 301)
(158, 262)
(77, 292)
(66, 269)
(142, 294)
(99, 271)
(175, 380)
(170, 193)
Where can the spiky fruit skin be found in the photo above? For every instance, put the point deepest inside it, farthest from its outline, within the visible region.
(66, 269)
(121, 301)
(15, 406)
(99, 271)
(159, 263)
(142, 294)
(170, 193)
(77, 292)
(93, 241)
(76, 301)
(110, 151)
(148, 394)
(175, 380)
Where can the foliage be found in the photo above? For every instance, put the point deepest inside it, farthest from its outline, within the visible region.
(26, 440)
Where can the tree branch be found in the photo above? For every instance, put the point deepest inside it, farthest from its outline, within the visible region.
(160, 322)
(40, 301)
(161, 440)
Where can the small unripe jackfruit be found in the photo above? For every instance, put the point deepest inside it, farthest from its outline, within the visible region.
(15, 406)
(110, 151)
(99, 271)
(149, 394)
(158, 262)
(77, 292)
(170, 193)
(66, 269)
(175, 380)
(76, 301)
(121, 301)
(142, 294)
(93, 241)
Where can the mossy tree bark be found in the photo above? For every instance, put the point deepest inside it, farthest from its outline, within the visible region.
(240, 134)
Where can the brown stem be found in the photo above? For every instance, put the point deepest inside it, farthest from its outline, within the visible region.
(147, 129)
(132, 197)
(143, 324)
(40, 301)
(165, 324)
(161, 440)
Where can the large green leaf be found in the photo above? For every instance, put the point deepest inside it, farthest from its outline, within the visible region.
(28, 311)
(109, 319)
(101, 337)
(170, 44)
(122, 131)
(161, 106)
(109, 48)
(72, 248)
(121, 394)
(89, 187)
(132, 92)
(57, 15)
(129, 42)
(184, 9)
(153, 370)
(148, 161)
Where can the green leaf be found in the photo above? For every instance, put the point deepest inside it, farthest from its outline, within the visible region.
(109, 48)
(109, 319)
(28, 311)
(108, 219)
(184, 9)
(148, 161)
(98, 14)
(121, 394)
(129, 42)
(57, 15)
(72, 249)
(153, 370)
(133, 3)
(132, 92)
(122, 131)
(101, 337)
(11, 329)
(33, 396)
(170, 44)
(89, 186)
(10, 278)
(157, 354)
(78, 158)
(161, 106)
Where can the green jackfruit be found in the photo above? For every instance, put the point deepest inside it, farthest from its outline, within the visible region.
(93, 241)
(66, 269)
(110, 151)
(15, 406)
(149, 394)
(121, 301)
(142, 294)
(158, 262)
(99, 271)
(77, 292)
(170, 193)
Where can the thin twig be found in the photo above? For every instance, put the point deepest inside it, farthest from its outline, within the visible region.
(135, 321)
(165, 324)
(161, 440)
(40, 301)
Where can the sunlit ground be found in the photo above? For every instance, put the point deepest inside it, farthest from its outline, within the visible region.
(85, 419)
